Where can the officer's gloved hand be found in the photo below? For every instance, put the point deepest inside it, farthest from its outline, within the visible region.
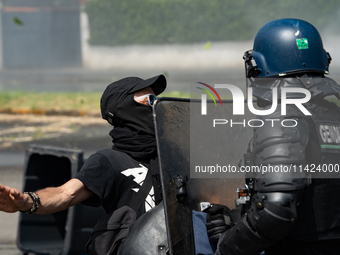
(218, 221)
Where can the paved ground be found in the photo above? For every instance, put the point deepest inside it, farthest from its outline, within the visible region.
(9, 222)
(18, 131)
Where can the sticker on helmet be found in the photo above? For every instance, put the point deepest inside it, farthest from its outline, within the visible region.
(302, 43)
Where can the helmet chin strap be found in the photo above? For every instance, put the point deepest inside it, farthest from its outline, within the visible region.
(245, 69)
(246, 57)
(250, 68)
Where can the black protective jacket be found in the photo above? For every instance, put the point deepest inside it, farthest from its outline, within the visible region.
(301, 205)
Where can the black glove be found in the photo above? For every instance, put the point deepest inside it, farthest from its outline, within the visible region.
(218, 221)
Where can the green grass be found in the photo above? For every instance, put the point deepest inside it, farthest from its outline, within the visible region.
(88, 102)
(60, 101)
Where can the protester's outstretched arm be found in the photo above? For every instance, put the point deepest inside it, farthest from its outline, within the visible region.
(52, 199)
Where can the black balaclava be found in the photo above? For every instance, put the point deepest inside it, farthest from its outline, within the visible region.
(134, 134)
(134, 116)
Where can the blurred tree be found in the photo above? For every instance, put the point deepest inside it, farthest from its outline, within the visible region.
(114, 22)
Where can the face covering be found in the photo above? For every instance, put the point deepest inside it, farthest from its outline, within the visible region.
(135, 116)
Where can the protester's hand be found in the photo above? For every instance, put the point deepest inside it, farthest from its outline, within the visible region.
(218, 221)
(11, 199)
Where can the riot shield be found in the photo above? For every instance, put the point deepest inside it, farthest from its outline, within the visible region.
(185, 142)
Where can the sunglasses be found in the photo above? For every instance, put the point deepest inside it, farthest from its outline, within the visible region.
(151, 98)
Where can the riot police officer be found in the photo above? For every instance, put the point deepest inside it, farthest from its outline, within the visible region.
(291, 213)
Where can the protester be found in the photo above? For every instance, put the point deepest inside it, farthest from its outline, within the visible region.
(127, 105)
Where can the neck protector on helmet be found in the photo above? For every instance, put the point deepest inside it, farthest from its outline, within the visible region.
(319, 86)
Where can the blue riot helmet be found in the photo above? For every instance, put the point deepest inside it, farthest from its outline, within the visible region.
(288, 53)
(286, 46)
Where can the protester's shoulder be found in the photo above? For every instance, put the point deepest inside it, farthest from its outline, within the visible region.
(107, 154)
(112, 157)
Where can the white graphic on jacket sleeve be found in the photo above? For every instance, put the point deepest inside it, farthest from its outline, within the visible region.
(139, 174)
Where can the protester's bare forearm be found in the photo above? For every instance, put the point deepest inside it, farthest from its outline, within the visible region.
(57, 199)
(52, 200)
